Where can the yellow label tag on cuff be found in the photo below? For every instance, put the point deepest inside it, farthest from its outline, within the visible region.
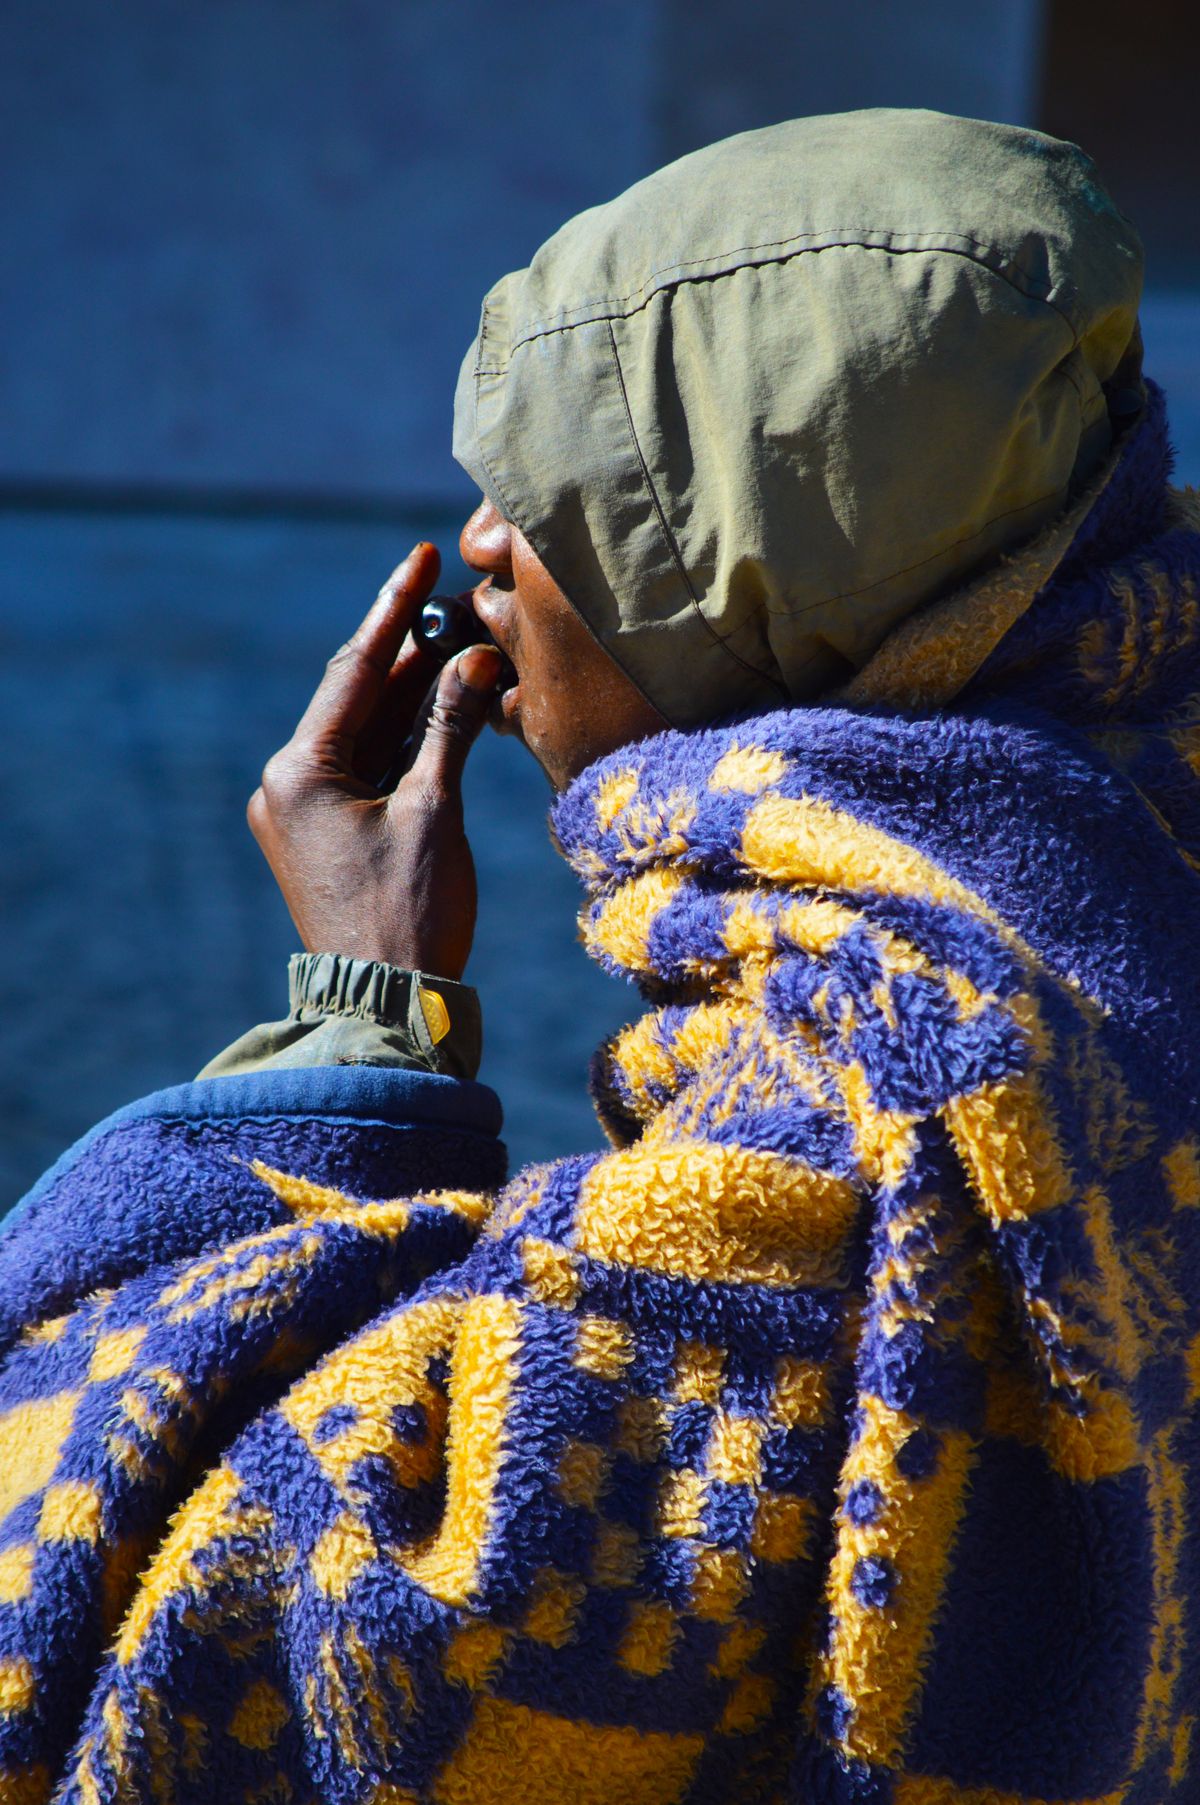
(437, 1016)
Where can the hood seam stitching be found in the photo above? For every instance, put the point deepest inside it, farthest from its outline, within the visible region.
(546, 328)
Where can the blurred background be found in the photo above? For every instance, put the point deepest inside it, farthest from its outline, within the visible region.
(245, 244)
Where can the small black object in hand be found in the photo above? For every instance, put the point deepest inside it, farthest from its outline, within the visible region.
(447, 625)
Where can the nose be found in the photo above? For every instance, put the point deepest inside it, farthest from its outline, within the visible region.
(485, 542)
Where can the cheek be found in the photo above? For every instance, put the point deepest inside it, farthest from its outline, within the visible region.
(552, 698)
(562, 704)
(551, 660)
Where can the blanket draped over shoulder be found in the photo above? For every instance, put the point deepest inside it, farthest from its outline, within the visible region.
(833, 1436)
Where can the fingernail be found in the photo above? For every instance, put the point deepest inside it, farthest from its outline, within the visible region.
(478, 667)
(386, 593)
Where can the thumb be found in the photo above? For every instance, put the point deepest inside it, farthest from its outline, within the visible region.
(460, 708)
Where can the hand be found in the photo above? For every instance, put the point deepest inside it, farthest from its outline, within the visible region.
(381, 876)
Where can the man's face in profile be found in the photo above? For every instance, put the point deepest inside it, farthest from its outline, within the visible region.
(572, 703)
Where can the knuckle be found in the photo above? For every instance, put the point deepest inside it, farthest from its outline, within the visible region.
(280, 782)
(353, 653)
(431, 796)
(420, 794)
(450, 721)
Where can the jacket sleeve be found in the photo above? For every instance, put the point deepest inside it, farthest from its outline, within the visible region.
(344, 1011)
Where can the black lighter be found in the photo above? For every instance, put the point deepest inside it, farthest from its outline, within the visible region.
(448, 624)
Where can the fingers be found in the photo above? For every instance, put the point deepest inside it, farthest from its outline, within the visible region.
(398, 714)
(464, 694)
(356, 676)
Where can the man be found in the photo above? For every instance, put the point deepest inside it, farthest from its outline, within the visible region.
(833, 1437)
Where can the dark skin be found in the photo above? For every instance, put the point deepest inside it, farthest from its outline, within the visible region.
(391, 877)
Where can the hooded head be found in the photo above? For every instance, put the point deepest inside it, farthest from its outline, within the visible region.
(772, 399)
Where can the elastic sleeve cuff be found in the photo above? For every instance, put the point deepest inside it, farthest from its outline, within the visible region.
(438, 1018)
(346, 1011)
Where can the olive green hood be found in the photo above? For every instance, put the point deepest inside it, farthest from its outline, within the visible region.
(762, 406)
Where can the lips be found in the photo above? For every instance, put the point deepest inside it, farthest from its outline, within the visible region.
(508, 698)
(504, 712)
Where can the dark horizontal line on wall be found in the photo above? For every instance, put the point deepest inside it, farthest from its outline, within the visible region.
(23, 495)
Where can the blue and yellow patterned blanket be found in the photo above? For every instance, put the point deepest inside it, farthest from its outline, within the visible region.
(834, 1436)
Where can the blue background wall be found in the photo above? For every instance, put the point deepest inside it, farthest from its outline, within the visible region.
(245, 245)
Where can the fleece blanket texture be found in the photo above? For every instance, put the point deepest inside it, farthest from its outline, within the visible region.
(832, 1437)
